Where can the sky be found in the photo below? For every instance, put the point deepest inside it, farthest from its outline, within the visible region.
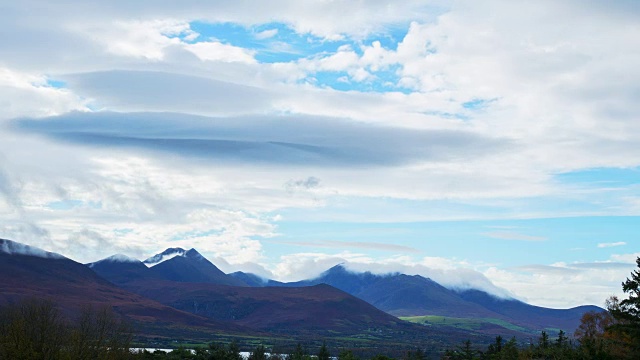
(492, 144)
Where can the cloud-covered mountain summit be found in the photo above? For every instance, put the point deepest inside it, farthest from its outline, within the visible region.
(10, 247)
(172, 264)
(167, 254)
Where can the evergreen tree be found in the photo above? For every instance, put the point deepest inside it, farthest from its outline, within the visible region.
(494, 348)
(463, 352)
(381, 357)
(467, 351)
(181, 353)
(259, 353)
(561, 341)
(347, 355)
(298, 353)
(627, 312)
(544, 340)
(510, 350)
(323, 353)
(233, 351)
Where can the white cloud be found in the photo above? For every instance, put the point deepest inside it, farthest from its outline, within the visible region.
(216, 51)
(628, 258)
(28, 94)
(141, 39)
(614, 244)
(266, 34)
(512, 235)
(564, 285)
(450, 273)
(127, 90)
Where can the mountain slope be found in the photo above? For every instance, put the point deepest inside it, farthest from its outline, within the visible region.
(404, 295)
(33, 273)
(525, 314)
(315, 309)
(190, 266)
(397, 294)
(120, 270)
(318, 309)
(250, 279)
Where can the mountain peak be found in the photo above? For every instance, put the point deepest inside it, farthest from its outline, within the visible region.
(337, 269)
(117, 258)
(16, 248)
(193, 254)
(188, 266)
(169, 253)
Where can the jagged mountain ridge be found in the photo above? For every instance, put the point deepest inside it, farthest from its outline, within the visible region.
(294, 309)
(310, 309)
(397, 294)
(243, 310)
(405, 295)
(173, 264)
(72, 286)
(193, 267)
(163, 256)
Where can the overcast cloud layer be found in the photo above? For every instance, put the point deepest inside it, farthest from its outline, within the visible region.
(493, 144)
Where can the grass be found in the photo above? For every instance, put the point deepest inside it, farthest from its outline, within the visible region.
(462, 323)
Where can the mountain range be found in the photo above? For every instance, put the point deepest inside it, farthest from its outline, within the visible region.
(30, 273)
(181, 291)
(185, 280)
(396, 294)
(414, 295)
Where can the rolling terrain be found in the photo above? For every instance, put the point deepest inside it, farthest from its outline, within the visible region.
(396, 294)
(410, 296)
(179, 292)
(317, 309)
(27, 272)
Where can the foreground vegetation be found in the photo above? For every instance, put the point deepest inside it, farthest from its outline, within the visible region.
(35, 329)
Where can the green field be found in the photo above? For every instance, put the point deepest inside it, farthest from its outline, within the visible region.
(462, 323)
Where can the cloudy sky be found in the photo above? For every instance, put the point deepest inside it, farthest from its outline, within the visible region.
(493, 144)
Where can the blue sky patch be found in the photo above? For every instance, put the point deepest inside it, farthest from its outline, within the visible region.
(285, 46)
(485, 241)
(477, 104)
(57, 84)
(602, 177)
(71, 204)
(381, 81)
(121, 232)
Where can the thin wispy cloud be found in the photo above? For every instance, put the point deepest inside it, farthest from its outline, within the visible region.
(546, 269)
(266, 34)
(360, 245)
(612, 244)
(603, 265)
(512, 235)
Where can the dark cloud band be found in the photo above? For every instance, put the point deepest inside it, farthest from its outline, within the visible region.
(281, 140)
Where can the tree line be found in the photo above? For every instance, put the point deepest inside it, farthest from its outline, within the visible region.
(35, 329)
(611, 334)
